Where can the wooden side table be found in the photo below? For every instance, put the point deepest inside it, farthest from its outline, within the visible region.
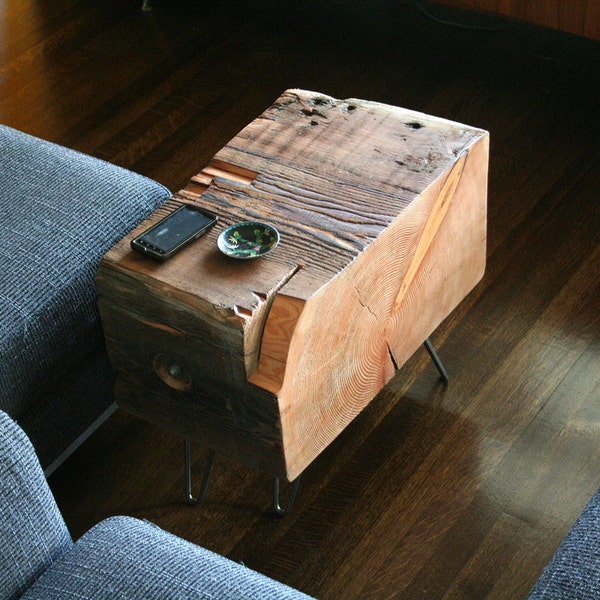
(382, 216)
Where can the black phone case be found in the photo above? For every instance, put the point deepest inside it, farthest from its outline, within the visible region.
(141, 243)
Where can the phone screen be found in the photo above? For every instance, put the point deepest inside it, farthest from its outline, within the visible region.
(176, 228)
(173, 232)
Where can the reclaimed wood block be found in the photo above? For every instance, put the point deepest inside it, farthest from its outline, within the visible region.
(382, 216)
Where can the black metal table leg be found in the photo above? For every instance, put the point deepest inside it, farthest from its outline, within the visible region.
(436, 361)
(282, 512)
(188, 476)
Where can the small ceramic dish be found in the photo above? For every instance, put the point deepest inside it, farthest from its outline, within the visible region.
(248, 240)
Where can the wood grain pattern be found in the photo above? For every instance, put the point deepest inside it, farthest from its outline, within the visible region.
(359, 191)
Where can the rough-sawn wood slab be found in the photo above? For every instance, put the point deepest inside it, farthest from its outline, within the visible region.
(382, 216)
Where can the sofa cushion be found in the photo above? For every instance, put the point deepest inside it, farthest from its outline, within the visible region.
(60, 211)
(123, 557)
(32, 529)
(574, 571)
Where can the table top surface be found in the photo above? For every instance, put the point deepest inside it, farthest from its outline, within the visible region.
(329, 174)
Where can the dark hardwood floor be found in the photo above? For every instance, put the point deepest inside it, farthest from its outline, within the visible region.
(462, 491)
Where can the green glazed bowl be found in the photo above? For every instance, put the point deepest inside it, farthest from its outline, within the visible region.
(250, 239)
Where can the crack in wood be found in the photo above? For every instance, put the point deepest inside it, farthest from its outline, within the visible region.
(392, 358)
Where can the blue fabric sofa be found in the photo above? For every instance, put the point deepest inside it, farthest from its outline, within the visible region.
(60, 211)
(574, 571)
(121, 557)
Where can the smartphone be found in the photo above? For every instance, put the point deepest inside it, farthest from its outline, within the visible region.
(174, 231)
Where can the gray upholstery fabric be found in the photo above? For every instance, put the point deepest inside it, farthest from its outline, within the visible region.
(60, 211)
(32, 531)
(122, 557)
(574, 571)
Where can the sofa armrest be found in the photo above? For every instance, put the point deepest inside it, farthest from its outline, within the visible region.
(574, 571)
(124, 557)
(32, 530)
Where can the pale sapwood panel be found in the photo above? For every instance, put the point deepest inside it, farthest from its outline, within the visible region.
(379, 316)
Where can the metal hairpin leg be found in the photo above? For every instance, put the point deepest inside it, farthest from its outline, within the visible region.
(188, 476)
(436, 361)
(282, 512)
